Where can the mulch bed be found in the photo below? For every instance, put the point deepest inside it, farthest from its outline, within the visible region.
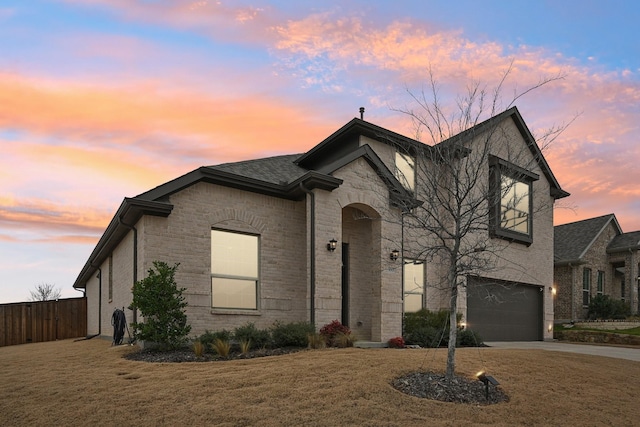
(435, 386)
(187, 355)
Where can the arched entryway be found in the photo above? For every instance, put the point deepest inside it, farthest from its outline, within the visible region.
(361, 268)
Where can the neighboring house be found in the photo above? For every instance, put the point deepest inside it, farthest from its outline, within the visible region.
(317, 237)
(594, 257)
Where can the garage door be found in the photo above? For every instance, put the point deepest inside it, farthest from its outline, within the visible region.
(504, 311)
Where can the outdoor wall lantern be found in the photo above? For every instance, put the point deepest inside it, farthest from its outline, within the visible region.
(486, 380)
(394, 254)
(331, 246)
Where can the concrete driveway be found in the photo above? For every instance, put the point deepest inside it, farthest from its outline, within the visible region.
(594, 350)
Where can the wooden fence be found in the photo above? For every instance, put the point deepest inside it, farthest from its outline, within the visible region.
(28, 322)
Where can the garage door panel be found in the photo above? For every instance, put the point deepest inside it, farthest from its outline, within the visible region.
(504, 311)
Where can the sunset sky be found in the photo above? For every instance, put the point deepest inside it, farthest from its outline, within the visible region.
(105, 99)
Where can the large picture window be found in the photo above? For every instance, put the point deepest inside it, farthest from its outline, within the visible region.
(234, 270)
(406, 170)
(413, 286)
(511, 201)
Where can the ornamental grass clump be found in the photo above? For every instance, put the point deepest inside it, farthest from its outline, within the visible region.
(221, 347)
(245, 346)
(208, 338)
(198, 348)
(316, 341)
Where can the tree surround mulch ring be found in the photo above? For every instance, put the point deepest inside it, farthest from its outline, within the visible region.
(435, 386)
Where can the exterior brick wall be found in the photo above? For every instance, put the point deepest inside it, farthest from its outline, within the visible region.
(185, 237)
(569, 279)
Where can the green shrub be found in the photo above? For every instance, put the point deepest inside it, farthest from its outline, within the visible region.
(605, 307)
(293, 334)
(161, 305)
(259, 338)
(428, 328)
(436, 319)
(426, 337)
(469, 338)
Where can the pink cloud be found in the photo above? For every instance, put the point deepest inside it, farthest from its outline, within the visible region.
(46, 215)
(188, 123)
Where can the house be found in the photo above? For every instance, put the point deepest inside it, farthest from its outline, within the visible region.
(594, 257)
(318, 236)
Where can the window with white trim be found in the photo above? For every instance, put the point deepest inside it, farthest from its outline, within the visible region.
(234, 270)
(413, 286)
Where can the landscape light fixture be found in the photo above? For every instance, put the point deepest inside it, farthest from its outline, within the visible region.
(486, 380)
(331, 246)
(394, 254)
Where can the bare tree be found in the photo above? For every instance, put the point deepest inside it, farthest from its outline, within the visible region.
(473, 183)
(45, 292)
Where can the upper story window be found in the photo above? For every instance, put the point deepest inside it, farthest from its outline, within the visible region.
(234, 270)
(413, 286)
(511, 189)
(406, 170)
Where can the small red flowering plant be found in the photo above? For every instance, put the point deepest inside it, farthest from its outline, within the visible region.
(397, 342)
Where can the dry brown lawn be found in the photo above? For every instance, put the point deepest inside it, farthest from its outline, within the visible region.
(89, 383)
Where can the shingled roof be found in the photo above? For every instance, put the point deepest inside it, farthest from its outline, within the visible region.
(571, 241)
(624, 242)
(276, 170)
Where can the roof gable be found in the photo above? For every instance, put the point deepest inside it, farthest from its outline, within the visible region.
(346, 140)
(512, 113)
(573, 240)
(398, 195)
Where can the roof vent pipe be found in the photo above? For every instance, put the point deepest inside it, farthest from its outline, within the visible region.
(361, 113)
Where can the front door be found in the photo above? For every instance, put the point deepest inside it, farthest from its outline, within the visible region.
(345, 284)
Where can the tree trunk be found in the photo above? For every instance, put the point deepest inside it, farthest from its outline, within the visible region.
(453, 329)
